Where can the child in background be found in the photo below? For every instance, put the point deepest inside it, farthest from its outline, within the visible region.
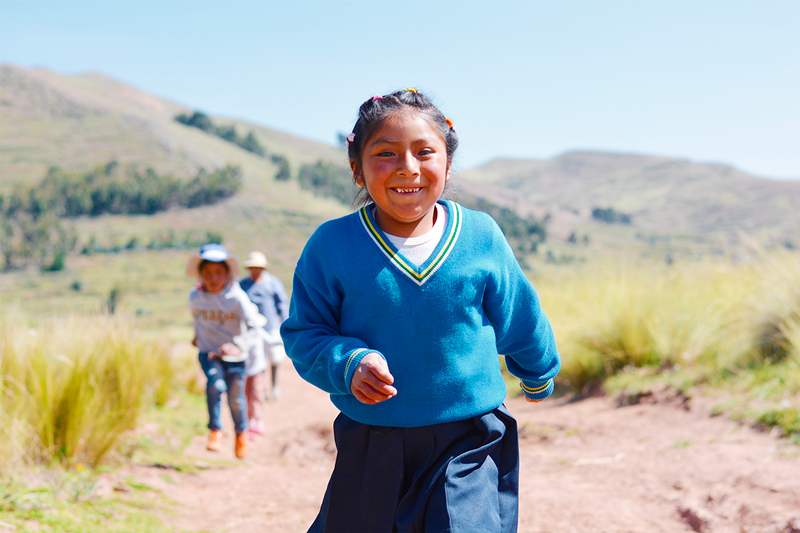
(226, 325)
(399, 311)
(268, 293)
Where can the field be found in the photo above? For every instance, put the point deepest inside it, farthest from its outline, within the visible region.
(721, 336)
(673, 289)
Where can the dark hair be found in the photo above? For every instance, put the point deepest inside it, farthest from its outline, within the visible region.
(204, 262)
(374, 112)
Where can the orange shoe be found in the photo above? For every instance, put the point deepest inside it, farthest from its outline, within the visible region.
(214, 441)
(241, 445)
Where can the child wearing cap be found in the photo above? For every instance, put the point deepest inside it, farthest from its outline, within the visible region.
(269, 294)
(226, 325)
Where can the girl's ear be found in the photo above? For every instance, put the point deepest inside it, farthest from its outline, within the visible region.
(356, 174)
(447, 173)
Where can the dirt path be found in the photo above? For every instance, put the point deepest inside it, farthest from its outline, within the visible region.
(587, 466)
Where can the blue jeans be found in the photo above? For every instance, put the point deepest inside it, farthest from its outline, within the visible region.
(224, 377)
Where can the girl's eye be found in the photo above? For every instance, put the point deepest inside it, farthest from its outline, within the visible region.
(426, 151)
(385, 154)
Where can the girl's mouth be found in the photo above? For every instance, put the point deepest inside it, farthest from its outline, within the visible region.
(408, 190)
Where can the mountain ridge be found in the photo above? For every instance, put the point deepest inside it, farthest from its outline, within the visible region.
(662, 195)
(81, 121)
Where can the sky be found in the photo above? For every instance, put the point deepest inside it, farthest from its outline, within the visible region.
(707, 81)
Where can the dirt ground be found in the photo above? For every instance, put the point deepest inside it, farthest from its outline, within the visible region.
(659, 465)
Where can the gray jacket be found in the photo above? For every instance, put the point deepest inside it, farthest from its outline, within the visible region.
(227, 316)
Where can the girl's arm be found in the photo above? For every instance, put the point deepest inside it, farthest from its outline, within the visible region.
(312, 338)
(524, 334)
(253, 322)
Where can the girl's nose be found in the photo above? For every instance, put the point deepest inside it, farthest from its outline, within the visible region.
(408, 165)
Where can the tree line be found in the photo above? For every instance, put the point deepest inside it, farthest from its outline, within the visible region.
(523, 234)
(249, 142)
(228, 133)
(32, 218)
(610, 216)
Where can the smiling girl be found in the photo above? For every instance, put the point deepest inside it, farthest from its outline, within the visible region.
(399, 311)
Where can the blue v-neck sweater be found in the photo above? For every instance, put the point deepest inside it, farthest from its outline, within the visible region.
(439, 325)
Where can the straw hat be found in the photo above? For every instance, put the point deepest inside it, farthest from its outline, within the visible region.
(257, 260)
(215, 253)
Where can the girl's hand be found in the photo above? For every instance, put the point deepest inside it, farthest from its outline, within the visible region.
(372, 381)
(229, 349)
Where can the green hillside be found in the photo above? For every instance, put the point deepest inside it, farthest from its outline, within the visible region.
(584, 204)
(655, 314)
(81, 122)
(670, 205)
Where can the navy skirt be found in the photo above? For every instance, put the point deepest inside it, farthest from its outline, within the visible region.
(457, 477)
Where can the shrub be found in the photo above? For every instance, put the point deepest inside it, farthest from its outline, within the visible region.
(207, 189)
(619, 316)
(788, 419)
(777, 329)
(251, 144)
(71, 388)
(523, 234)
(610, 216)
(284, 172)
(327, 179)
(227, 133)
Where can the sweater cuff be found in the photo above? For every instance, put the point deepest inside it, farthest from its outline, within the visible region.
(538, 391)
(352, 363)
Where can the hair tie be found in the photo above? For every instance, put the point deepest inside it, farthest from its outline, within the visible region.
(377, 97)
(449, 123)
(413, 90)
(350, 138)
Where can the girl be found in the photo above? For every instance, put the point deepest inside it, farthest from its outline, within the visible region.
(399, 311)
(226, 325)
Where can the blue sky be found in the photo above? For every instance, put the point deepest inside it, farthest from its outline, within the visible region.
(709, 81)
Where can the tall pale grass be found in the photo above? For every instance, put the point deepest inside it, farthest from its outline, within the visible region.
(72, 387)
(778, 306)
(701, 317)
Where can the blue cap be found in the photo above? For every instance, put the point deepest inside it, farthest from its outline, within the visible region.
(216, 253)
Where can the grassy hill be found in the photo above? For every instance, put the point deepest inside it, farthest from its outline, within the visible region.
(672, 205)
(78, 122)
(634, 324)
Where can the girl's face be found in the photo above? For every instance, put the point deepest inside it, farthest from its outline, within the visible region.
(404, 168)
(214, 276)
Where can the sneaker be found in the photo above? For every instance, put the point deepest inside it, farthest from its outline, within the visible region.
(214, 441)
(241, 445)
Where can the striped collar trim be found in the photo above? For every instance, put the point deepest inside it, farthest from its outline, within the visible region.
(423, 273)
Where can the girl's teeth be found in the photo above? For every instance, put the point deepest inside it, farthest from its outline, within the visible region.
(407, 190)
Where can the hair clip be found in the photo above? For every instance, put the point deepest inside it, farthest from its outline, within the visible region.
(413, 90)
(377, 97)
(350, 138)
(449, 123)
